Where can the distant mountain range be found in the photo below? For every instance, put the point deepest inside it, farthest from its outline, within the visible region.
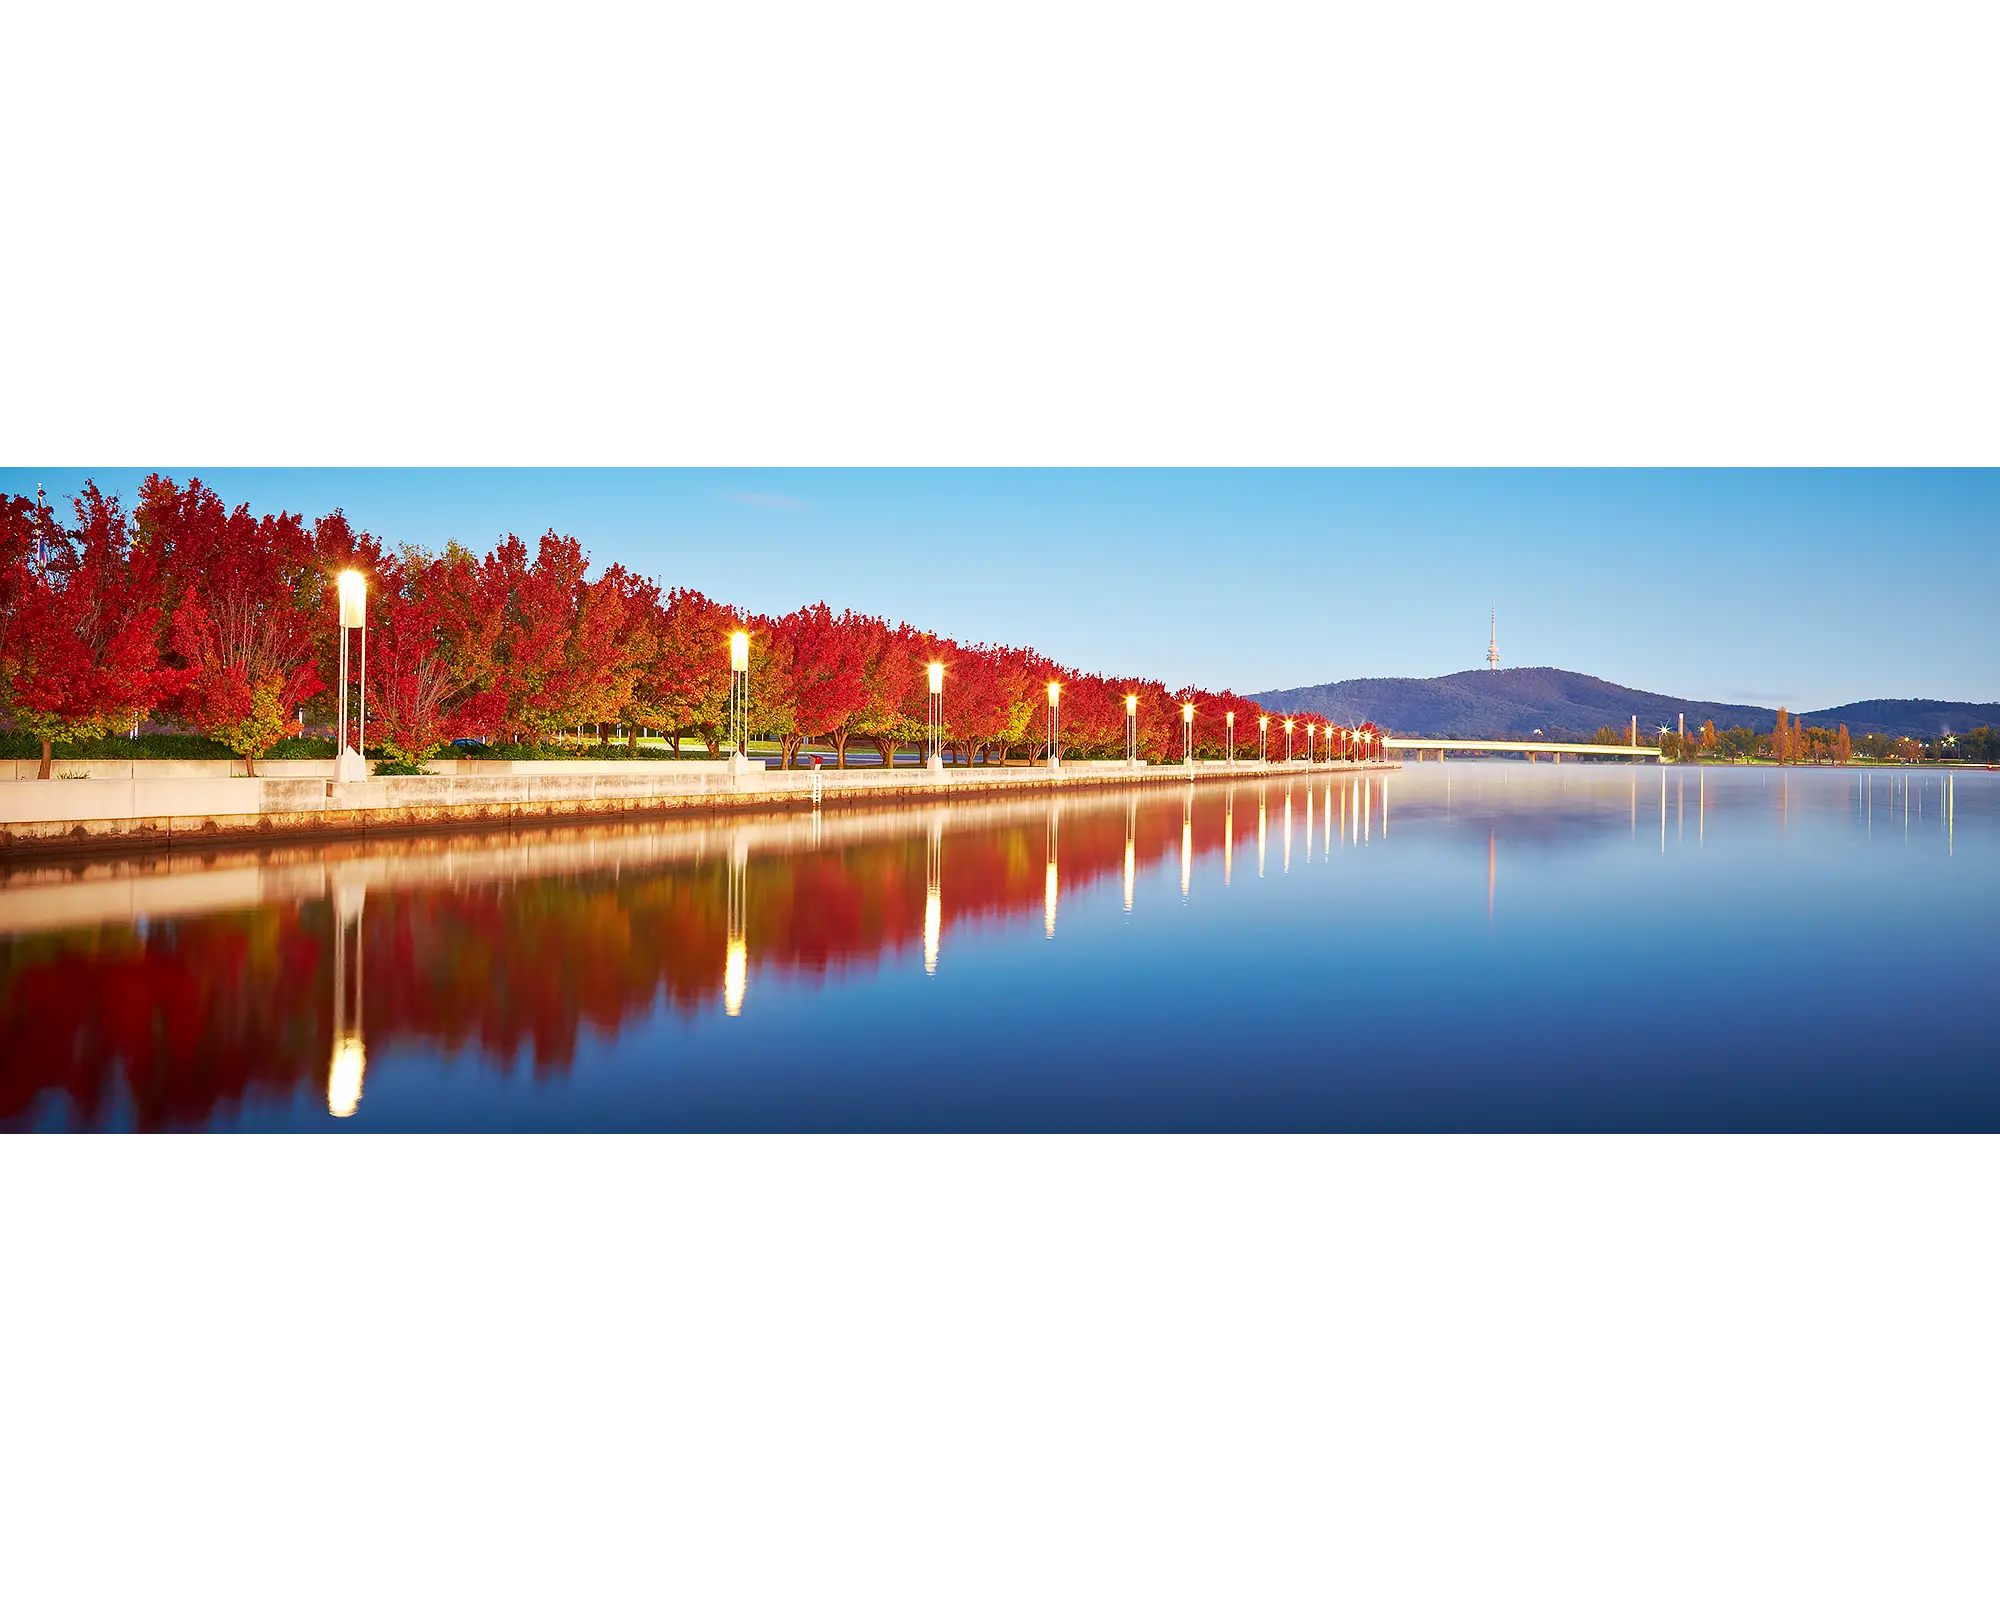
(1518, 700)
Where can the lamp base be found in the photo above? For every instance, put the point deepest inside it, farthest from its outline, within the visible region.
(350, 767)
(934, 765)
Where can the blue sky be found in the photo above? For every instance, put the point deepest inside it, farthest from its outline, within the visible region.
(1806, 588)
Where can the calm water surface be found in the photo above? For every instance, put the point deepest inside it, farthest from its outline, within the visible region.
(1477, 945)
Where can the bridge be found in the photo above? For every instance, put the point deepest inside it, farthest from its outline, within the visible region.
(1531, 747)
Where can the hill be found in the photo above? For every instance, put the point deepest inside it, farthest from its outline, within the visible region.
(1515, 701)
(1922, 718)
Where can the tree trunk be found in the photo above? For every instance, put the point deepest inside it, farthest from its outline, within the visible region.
(886, 749)
(839, 738)
(632, 739)
(48, 752)
(249, 766)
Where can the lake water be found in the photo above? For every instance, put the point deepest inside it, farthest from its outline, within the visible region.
(1469, 945)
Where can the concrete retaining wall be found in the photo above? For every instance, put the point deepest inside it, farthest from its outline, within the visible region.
(152, 811)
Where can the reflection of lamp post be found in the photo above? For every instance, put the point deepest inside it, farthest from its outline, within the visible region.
(353, 590)
(1049, 874)
(1228, 832)
(1055, 755)
(934, 757)
(933, 893)
(1187, 841)
(1229, 722)
(736, 953)
(1131, 851)
(350, 1056)
(1131, 734)
(1263, 741)
(1187, 735)
(739, 699)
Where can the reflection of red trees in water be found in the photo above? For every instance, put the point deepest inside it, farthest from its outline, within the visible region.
(169, 1024)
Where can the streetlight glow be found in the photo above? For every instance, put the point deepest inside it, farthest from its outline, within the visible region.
(343, 1081)
(353, 587)
(739, 652)
(1131, 705)
(1055, 692)
(937, 677)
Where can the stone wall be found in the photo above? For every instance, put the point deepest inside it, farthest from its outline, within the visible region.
(162, 810)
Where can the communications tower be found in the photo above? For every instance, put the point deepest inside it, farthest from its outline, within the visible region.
(1493, 644)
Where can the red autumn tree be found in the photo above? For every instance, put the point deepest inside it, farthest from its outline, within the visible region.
(26, 530)
(818, 657)
(83, 641)
(569, 650)
(422, 692)
(978, 698)
(683, 686)
(869, 645)
(894, 674)
(244, 594)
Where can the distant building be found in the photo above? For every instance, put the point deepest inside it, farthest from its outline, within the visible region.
(1493, 644)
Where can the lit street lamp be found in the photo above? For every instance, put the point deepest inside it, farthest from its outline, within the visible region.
(1229, 720)
(934, 756)
(739, 697)
(1055, 755)
(1263, 741)
(1132, 730)
(353, 590)
(1187, 735)
(1288, 739)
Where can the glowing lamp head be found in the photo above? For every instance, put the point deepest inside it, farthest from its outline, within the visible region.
(353, 587)
(937, 677)
(1187, 711)
(1263, 722)
(1288, 724)
(1131, 705)
(1055, 693)
(739, 652)
(1230, 718)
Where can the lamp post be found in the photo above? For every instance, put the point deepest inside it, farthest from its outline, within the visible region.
(1312, 735)
(934, 756)
(1263, 741)
(353, 591)
(1288, 741)
(1055, 756)
(739, 699)
(1187, 735)
(1229, 722)
(1131, 735)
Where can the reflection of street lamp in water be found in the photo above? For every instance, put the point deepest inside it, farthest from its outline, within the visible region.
(343, 1082)
(1131, 852)
(735, 977)
(1049, 874)
(350, 1056)
(933, 895)
(1187, 842)
(736, 954)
